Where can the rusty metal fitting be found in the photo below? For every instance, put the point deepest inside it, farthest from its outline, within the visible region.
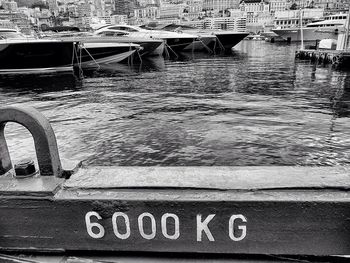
(25, 168)
(44, 140)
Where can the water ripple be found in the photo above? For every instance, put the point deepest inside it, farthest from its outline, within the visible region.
(254, 107)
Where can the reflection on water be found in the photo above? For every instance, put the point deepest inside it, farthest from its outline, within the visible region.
(254, 107)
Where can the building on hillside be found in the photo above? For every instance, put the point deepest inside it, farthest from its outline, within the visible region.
(53, 6)
(10, 6)
(125, 7)
(237, 24)
(172, 11)
(220, 5)
(335, 7)
(43, 22)
(72, 9)
(99, 7)
(109, 7)
(20, 20)
(147, 13)
(6, 23)
(226, 23)
(62, 8)
(257, 22)
(26, 11)
(257, 13)
(84, 9)
(143, 3)
(119, 19)
(195, 23)
(279, 5)
(193, 9)
(254, 6)
(291, 18)
(325, 4)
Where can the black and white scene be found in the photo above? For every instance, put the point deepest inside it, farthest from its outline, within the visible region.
(174, 131)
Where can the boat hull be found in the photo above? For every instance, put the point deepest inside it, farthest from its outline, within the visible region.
(309, 34)
(179, 44)
(149, 46)
(36, 57)
(228, 40)
(159, 51)
(201, 44)
(94, 54)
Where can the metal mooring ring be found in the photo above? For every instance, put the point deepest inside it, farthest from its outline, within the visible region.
(43, 135)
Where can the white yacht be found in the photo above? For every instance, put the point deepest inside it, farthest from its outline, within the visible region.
(176, 41)
(203, 41)
(327, 28)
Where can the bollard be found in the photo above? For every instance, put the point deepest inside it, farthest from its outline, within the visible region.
(43, 136)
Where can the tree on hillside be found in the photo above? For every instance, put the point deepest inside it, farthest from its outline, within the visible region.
(294, 6)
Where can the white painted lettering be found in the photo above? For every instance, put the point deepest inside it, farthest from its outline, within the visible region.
(90, 226)
(176, 226)
(115, 216)
(203, 226)
(231, 226)
(153, 226)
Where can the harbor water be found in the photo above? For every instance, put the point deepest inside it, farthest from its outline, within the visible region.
(256, 106)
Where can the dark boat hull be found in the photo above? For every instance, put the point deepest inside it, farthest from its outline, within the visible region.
(179, 44)
(92, 57)
(148, 46)
(228, 40)
(36, 57)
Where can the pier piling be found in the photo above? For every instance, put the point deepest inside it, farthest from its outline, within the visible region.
(335, 57)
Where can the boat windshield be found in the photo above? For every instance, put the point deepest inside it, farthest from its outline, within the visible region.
(128, 29)
(10, 34)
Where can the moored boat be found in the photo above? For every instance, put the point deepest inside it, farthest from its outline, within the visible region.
(202, 42)
(94, 54)
(175, 41)
(327, 28)
(229, 39)
(149, 46)
(18, 56)
(206, 38)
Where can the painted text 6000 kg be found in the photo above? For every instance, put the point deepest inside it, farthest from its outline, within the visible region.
(169, 224)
